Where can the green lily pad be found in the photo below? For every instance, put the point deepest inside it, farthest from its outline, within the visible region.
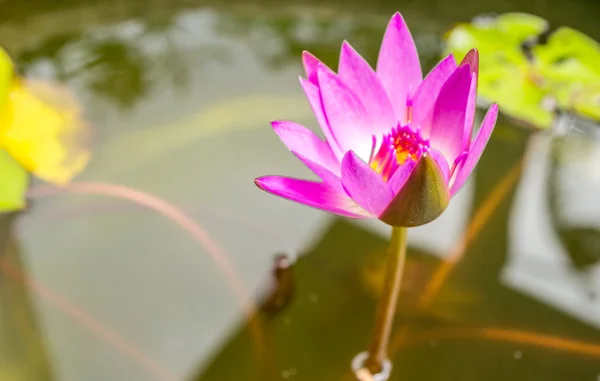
(518, 97)
(569, 45)
(569, 64)
(517, 26)
(563, 69)
(587, 101)
(13, 183)
(499, 41)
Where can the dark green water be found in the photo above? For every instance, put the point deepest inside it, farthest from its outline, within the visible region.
(95, 287)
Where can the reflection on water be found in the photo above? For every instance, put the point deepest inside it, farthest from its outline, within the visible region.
(181, 96)
(558, 199)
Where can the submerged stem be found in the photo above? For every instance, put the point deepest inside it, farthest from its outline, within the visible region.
(386, 309)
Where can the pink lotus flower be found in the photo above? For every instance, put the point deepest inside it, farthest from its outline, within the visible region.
(398, 146)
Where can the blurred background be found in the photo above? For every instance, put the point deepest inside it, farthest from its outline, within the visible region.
(161, 260)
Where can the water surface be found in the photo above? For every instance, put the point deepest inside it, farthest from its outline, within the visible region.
(180, 93)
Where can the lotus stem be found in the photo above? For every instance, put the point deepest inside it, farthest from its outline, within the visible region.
(386, 310)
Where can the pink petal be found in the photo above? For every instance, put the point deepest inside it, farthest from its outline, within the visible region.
(330, 178)
(348, 118)
(310, 63)
(358, 75)
(448, 122)
(310, 193)
(366, 187)
(441, 162)
(471, 59)
(314, 99)
(398, 65)
(402, 174)
(427, 92)
(483, 136)
(470, 111)
(303, 141)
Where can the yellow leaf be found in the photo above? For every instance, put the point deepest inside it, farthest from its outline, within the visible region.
(6, 75)
(42, 128)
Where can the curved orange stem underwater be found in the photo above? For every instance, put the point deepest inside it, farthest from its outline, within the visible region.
(176, 215)
(221, 213)
(509, 335)
(481, 217)
(86, 320)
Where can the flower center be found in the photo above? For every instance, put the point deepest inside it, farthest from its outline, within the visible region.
(397, 147)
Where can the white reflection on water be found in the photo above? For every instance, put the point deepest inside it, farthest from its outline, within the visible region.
(538, 264)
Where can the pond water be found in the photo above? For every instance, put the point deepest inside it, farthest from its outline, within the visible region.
(158, 262)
